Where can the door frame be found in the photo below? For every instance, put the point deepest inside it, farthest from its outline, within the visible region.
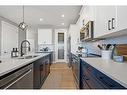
(65, 45)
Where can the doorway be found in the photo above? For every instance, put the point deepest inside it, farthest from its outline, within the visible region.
(60, 45)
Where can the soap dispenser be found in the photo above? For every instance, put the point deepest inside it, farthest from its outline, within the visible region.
(13, 53)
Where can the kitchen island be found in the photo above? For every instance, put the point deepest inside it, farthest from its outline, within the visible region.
(40, 67)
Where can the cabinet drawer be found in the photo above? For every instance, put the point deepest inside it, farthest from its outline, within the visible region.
(92, 81)
(108, 82)
(86, 67)
(88, 78)
(84, 84)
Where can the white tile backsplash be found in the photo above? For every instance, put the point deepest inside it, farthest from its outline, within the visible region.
(50, 46)
(92, 46)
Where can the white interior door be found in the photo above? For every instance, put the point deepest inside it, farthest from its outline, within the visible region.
(60, 45)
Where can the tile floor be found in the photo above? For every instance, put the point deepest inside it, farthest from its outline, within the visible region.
(60, 77)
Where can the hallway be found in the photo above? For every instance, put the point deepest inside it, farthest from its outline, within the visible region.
(60, 77)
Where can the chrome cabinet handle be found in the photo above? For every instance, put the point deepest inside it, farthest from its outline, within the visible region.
(113, 19)
(109, 22)
(18, 79)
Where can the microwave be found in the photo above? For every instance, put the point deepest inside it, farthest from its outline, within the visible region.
(86, 32)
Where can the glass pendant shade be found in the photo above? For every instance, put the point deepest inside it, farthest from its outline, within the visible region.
(23, 25)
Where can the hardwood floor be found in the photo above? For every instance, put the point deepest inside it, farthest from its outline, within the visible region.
(60, 77)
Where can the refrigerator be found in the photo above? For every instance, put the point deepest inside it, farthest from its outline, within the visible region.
(69, 51)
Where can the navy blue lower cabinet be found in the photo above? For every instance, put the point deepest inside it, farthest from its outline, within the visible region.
(84, 84)
(88, 81)
(75, 63)
(108, 82)
(41, 71)
(91, 78)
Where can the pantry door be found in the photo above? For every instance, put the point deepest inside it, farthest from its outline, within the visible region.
(60, 45)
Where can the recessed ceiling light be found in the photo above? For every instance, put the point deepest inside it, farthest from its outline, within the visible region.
(62, 15)
(62, 23)
(41, 19)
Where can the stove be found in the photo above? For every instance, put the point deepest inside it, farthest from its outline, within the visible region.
(88, 55)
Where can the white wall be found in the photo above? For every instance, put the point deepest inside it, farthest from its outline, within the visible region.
(8, 21)
(31, 37)
(9, 37)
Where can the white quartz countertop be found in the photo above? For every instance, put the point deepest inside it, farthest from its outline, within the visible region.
(9, 64)
(115, 70)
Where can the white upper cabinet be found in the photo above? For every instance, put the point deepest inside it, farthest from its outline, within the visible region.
(104, 21)
(108, 20)
(74, 34)
(86, 15)
(121, 17)
(44, 36)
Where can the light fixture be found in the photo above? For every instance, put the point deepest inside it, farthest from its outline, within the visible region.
(62, 23)
(23, 25)
(62, 15)
(41, 19)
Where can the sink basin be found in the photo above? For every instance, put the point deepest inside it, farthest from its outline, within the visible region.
(28, 57)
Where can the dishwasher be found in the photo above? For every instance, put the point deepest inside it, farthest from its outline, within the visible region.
(21, 78)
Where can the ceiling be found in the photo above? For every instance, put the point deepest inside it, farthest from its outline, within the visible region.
(51, 15)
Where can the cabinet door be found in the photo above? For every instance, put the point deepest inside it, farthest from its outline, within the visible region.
(103, 20)
(86, 15)
(121, 17)
(83, 84)
(47, 67)
(42, 72)
(75, 35)
(91, 81)
(37, 74)
(44, 36)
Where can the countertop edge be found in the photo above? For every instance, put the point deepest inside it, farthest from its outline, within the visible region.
(23, 64)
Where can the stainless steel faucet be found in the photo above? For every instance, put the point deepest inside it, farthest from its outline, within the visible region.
(24, 47)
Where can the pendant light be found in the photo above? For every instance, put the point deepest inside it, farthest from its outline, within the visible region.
(23, 25)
